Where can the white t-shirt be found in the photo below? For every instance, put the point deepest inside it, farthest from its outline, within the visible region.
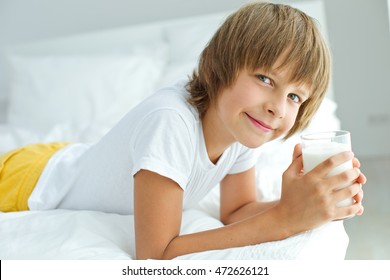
(163, 134)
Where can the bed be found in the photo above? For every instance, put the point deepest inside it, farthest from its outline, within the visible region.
(75, 88)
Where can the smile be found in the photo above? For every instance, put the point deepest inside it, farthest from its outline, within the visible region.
(259, 124)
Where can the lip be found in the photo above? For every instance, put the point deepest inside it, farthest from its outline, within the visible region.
(259, 124)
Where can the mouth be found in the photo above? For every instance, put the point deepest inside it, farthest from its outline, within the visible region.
(259, 124)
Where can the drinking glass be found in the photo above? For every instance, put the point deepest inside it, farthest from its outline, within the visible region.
(319, 146)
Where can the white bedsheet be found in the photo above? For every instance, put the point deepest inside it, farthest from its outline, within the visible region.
(65, 234)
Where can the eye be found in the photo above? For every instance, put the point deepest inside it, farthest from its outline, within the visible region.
(295, 98)
(264, 79)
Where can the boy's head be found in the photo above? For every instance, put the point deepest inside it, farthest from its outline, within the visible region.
(254, 37)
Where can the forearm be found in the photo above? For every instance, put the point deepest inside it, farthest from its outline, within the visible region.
(248, 210)
(264, 227)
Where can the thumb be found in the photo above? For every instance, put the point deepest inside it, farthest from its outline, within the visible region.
(297, 151)
(297, 163)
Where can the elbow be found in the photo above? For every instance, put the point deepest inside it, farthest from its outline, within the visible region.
(152, 253)
(150, 257)
(148, 253)
(226, 218)
(160, 255)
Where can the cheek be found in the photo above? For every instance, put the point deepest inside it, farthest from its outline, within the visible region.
(232, 102)
(291, 119)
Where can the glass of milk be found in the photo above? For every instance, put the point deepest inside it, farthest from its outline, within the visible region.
(317, 147)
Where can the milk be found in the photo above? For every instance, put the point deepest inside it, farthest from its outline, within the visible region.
(316, 153)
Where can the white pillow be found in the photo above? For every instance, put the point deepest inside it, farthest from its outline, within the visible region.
(96, 89)
(176, 71)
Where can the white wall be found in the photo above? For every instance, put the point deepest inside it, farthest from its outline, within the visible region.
(360, 41)
(22, 20)
(388, 7)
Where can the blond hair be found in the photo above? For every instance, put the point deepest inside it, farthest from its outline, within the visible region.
(255, 37)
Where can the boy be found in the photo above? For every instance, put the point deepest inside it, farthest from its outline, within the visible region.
(262, 76)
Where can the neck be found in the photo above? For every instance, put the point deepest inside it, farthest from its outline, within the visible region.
(216, 137)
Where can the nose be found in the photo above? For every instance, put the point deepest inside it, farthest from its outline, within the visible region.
(276, 106)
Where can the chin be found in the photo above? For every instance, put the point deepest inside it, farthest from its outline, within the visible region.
(255, 144)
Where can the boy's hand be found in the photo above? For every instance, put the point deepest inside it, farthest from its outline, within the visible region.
(309, 200)
(360, 180)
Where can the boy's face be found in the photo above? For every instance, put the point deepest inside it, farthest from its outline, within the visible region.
(260, 106)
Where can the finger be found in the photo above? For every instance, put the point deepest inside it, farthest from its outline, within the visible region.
(361, 179)
(350, 191)
(343, 179)
(296, 165)
(359, 196)
(297, 151)
(348, 211)
(356, 162)
(329, 164)
(360, 212)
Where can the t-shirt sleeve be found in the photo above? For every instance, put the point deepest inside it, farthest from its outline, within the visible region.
(164, 144)
(245, 160)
